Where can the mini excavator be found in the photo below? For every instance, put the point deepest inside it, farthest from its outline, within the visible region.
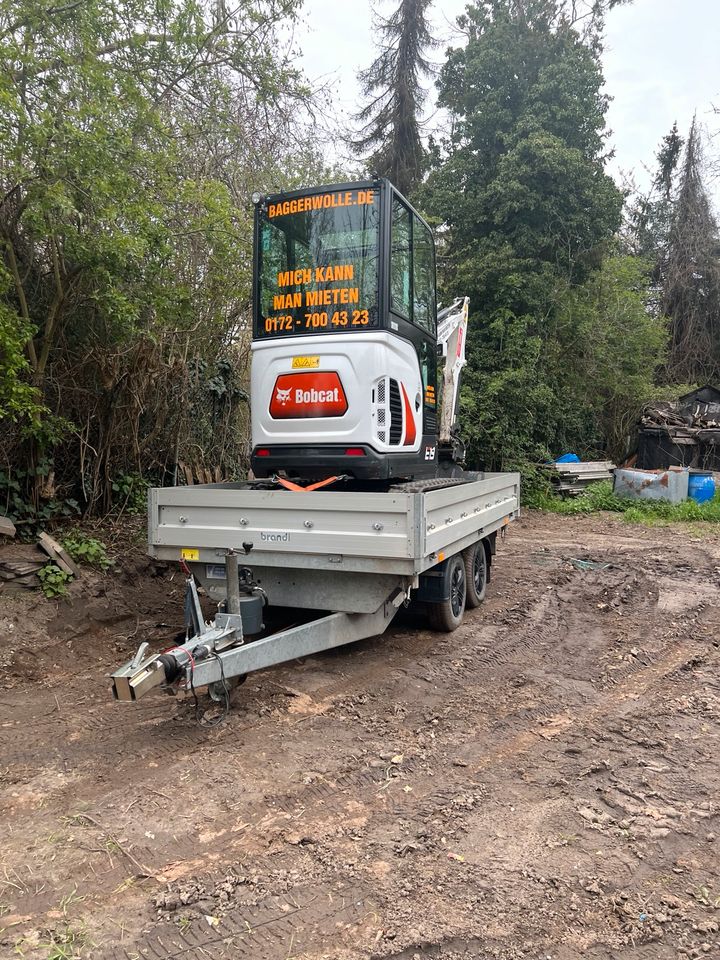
(346, 341)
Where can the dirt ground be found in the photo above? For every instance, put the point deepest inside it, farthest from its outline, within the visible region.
(543, 783)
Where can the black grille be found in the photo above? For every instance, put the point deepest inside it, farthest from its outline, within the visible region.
(430, 421)
(396, 416)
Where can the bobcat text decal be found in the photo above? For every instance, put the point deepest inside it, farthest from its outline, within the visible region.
(299, 395)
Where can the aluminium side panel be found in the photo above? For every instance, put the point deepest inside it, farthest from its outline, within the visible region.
(385, 533)
(459, 515)
(286, 527)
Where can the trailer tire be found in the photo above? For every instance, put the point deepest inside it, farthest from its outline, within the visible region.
(475, 574)
(447, 616)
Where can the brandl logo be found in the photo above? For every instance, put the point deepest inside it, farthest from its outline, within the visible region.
(282, 396)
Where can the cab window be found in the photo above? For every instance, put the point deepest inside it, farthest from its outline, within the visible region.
(423, 277)
(412, 269)
(401, 261)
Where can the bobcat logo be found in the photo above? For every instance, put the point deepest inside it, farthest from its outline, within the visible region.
(282, 396)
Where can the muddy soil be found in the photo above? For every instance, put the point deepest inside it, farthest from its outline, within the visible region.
(543, 783)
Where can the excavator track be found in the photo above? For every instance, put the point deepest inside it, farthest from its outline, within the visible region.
(434, 483)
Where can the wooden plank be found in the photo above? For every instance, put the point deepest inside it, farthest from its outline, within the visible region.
(18, 568)
(58, 554)
(187, 473)
(591, 466)
(7, 527)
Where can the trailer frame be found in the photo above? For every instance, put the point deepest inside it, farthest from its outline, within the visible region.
(353, 558)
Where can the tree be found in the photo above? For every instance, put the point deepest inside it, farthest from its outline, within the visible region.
(691, 276)
(391, 118)
(650, 215)
(120, 240)
(528, 215)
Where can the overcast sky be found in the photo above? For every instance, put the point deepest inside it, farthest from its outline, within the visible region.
(662, 63)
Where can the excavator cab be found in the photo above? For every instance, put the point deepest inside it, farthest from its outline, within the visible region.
(345, 343)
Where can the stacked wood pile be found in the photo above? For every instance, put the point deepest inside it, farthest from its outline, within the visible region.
(196, 473)
(684, 432)
(20, 564)
(570, 479)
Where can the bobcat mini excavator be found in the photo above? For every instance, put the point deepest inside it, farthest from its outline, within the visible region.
(346, 341)
(345, 396)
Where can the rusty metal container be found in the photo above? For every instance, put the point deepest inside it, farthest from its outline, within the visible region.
(670, 485)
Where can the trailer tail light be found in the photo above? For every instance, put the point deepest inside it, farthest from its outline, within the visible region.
(262, 452)
(355, 452)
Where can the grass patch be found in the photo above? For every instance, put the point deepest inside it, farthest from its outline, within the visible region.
(600, 496)
(65, 944)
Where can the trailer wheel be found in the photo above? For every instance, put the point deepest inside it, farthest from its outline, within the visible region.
(475, 574)
(447, 616)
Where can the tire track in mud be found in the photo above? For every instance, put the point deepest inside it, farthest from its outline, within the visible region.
(157, 736)
(235, 940)
(72, 740)
(449, 947)
(438, 653)
(269, 937)
(427, 799)
(160, 734)
(273, 930)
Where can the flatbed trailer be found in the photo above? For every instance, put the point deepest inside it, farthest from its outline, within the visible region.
(351, 558)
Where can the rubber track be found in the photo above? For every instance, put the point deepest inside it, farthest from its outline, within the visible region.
(435, 483)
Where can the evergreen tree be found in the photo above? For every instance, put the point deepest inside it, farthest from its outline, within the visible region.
(691, 276)
(668, 157)
(650, 215)
(391, 119)
(529, 214)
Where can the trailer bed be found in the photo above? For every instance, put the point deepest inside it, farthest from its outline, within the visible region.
(352, 558)
(381, 533)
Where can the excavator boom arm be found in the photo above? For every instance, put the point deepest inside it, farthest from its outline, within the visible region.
(451, 334)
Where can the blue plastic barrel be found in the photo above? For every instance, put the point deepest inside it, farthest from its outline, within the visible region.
(701, 486)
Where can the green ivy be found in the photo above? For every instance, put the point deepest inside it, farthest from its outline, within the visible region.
(87, 550)
(53, 581)
(20, 508)
(130, 493)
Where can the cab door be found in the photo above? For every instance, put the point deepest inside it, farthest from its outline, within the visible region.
(412, 303)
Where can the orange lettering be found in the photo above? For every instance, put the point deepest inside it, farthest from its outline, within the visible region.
(293, 278)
